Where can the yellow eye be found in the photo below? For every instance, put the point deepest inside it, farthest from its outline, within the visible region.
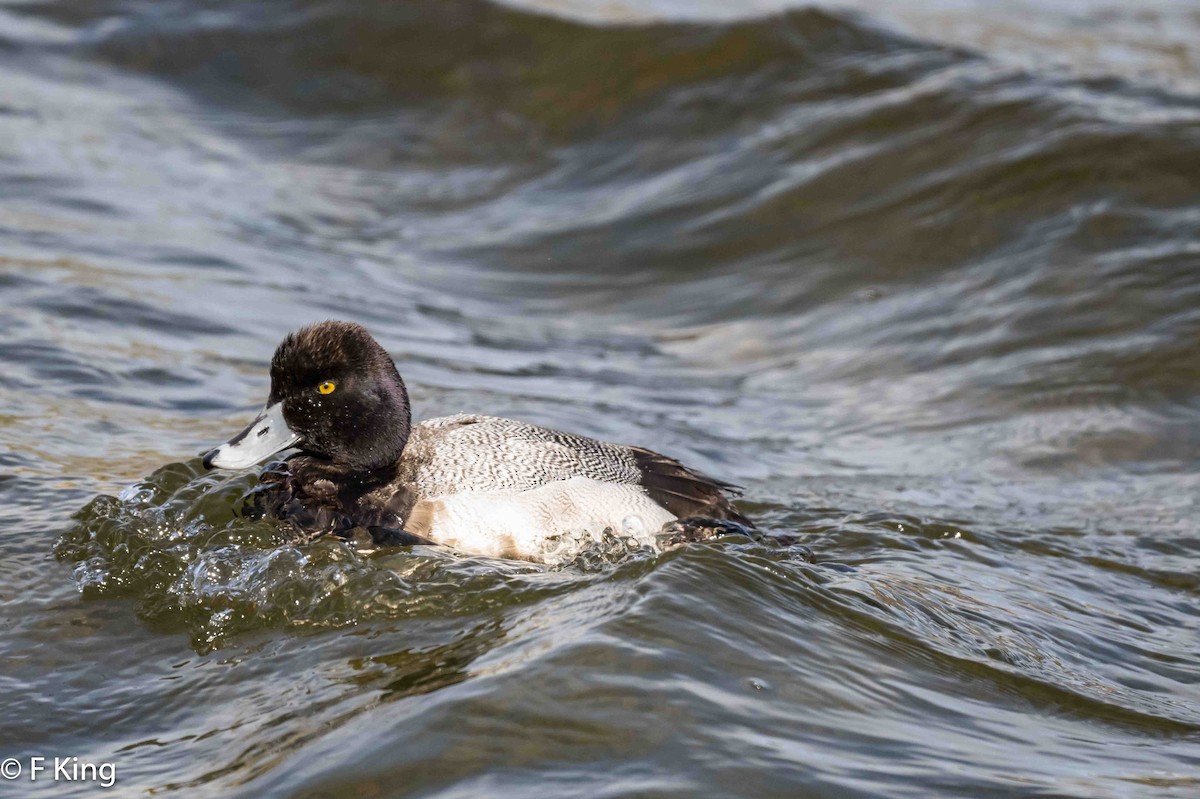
(327, 387)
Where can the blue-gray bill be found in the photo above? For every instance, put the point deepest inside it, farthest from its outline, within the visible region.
(262, 438)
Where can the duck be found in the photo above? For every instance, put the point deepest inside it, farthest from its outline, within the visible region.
(482, 485)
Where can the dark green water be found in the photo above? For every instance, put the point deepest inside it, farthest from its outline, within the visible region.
(933, 298)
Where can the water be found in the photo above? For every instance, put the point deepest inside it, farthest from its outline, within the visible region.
(923, 279)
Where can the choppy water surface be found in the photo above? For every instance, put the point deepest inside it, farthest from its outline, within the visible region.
(936, 305)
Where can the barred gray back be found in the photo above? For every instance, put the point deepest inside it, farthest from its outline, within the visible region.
(468, 452)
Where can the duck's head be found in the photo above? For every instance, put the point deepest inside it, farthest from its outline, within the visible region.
(335, 394)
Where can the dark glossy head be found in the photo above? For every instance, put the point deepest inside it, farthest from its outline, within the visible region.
(336, 394)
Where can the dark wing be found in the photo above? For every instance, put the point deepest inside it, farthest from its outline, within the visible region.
(685, 492)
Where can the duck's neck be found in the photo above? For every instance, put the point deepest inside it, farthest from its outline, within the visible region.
(307, 469)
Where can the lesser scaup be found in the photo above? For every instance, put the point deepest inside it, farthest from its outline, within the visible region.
(481, 484)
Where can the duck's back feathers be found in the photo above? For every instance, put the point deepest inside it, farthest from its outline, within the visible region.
(468, 452)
